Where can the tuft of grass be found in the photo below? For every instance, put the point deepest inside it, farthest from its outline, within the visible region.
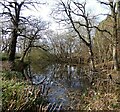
(19, 96)
(12, 75)
(103, 97)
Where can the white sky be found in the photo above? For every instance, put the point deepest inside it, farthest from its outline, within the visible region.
(45, 10)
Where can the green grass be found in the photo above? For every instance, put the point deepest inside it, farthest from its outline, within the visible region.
(12, 75)
(18, 95)
(3, 57)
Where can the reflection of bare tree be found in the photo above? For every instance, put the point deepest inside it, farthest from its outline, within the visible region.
(69, 75)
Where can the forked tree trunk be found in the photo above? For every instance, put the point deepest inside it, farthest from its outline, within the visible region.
(24, 54)
(15, 19)
(27, 49)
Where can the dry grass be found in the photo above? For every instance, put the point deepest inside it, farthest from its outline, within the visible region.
(104, 96)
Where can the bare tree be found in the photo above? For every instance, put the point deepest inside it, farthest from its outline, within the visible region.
(33, 32)
(78, 17)
(115, 33)
(11, 12)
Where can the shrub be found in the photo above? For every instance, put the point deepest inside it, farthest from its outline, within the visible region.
(3, 57)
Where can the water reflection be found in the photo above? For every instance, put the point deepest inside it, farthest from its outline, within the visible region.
(63, 79)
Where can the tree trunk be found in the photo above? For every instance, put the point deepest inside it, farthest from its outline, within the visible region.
(115, 59)
(115, 47)
(90, 46)
(116, 39)
(15, 19)
(92, 63)
(24, 54)
(26, 49)
(118, 31)
(12, 49)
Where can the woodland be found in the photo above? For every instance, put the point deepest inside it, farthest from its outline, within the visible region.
(83, 47)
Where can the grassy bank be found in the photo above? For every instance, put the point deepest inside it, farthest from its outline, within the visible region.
(18, 95)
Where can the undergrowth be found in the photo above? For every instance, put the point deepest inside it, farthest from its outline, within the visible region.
(18, 95)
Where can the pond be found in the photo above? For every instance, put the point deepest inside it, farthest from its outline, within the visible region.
(66, 82)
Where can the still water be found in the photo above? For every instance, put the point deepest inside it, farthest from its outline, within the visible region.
(66, 82)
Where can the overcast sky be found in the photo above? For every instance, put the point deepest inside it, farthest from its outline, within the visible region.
(45, 10)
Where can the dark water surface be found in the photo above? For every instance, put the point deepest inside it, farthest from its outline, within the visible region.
(66, 82)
